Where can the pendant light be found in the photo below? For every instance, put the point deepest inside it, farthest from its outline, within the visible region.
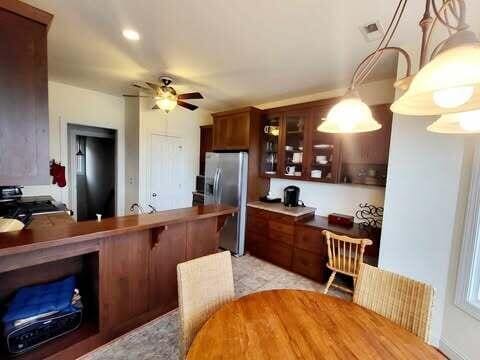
(450, 83)
(459, 123)
(79, 152)
(447, 83)
(350, 115)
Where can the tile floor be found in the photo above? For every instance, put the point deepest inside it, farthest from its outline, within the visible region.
(158, 339)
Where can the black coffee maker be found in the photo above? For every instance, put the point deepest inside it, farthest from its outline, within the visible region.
(291, 195)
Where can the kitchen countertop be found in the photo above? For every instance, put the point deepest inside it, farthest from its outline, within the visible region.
(282, 209)
(45, 237)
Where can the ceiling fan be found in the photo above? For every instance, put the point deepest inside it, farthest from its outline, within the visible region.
(165, 96)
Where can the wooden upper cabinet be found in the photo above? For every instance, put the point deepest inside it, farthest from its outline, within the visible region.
(324, 150)
(299, 151)
(293, 135)
(231, 131)
(372, 147)
(24, 151)
(206, 144)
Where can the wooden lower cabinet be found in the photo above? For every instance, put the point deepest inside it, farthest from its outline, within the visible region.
(309, 264)
(281, 240)
(168, 251)
(298, 244)
(139, 270)
(273, 237)
(279, 254)
(200, 241)
(124, 280)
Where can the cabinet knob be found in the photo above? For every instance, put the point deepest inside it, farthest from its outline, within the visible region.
(154, 194)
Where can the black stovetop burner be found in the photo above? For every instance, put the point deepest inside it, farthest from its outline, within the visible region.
(23, 208)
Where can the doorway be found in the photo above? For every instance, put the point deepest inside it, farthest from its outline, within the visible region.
(92, 171)
(166, 172)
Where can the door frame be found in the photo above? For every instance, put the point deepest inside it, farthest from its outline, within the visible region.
(148, 161)
(74, 130)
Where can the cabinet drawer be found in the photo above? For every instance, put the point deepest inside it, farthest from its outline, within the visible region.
(279, 254)
(311, 240)
(259, 213)
(258, 249)
(281, 218)
(253, 237)
(309, 264)
(279, 227)
(274, 235)
(257, 225)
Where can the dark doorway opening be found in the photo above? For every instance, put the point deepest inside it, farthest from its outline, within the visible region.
(94, 171)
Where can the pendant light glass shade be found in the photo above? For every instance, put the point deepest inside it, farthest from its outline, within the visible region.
(350, 115)
(460, 123)
(450, 83)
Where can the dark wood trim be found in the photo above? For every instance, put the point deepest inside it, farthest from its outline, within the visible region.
(17, 261)
(27, 11)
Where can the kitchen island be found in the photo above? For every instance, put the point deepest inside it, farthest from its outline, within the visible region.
(125, 268)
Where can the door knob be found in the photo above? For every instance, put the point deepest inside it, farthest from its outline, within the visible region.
(154, 194)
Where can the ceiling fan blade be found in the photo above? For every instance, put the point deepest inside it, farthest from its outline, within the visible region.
(155, 107)
(141, 87)
(153, 86)
(187, 105)
(137, 96)
(193, 95)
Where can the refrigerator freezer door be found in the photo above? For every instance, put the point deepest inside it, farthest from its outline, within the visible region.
(211, 172)
(226, 183)
(232, 189)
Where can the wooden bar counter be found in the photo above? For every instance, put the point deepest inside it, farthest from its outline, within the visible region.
(125, 268)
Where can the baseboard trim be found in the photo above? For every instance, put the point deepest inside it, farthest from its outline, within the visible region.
(450, 351)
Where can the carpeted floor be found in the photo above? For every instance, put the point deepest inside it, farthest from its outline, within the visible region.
(158, 339)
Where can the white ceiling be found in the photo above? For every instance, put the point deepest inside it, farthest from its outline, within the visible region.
(236, 52)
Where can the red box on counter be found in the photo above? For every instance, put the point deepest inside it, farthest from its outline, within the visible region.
(340, 219)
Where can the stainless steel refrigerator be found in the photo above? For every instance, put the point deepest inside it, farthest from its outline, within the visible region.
(226, 177)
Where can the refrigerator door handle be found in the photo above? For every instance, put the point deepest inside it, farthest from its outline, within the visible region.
(215, 185)
(219, 187)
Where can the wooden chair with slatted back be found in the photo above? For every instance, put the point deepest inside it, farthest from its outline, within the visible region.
(345, 254)
(404, 301)
(204, 285)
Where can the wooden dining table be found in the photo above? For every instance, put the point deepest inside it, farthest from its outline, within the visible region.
(297, 324)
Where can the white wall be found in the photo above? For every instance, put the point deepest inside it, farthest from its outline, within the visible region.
(73, 105)
(182, 123)
(330, 198)
(341, 198)
(454, 343)
(132, 154)
(420, 204)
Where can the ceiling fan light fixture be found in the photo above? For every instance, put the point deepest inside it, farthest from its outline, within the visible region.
(459, 123)
(166, 102)
(450, 83)
(349, 115)
(130, 34)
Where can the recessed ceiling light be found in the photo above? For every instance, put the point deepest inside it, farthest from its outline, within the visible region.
(131, 34)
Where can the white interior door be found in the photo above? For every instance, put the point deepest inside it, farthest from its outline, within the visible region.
(166, 172)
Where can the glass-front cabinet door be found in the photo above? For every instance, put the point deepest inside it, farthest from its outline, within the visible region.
(270, 144)
(324, 159)
(294, 130)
